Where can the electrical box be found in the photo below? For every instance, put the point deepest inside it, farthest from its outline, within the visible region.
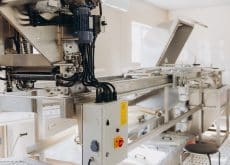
(105, 133)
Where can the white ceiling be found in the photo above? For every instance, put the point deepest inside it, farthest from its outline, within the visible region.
(183, 4)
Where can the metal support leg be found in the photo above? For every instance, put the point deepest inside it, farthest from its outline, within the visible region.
(192, 158)
(209, 158)
(39, 125)
(181, 157)
(218, 121)
(227, 117)
(166, 104)
(218, 132)
(201, 122)
(79, 115)
(227, 113)
(219, 156)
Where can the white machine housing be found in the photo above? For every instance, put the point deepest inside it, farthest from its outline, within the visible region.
(104, 123)
(12, 125)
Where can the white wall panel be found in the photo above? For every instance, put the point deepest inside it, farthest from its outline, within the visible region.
(114, 47)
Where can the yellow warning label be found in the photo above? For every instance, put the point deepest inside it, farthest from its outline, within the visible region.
(124, 113)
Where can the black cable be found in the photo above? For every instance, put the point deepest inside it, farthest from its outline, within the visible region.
(100, 8)
(90, 161)
(105, 91)
(17, 42)
(2, 78)
(107, 94)
(31, 49)
(25, 45)
(1, 68)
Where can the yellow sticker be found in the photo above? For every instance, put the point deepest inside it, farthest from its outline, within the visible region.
(124, 113)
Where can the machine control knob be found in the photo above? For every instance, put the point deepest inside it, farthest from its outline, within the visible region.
(118, 142)
(94, 146)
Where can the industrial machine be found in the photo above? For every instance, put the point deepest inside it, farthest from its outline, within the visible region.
(68, 61)
(48, 52)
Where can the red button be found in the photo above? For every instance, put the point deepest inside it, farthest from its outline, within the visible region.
(118, 142)
(121, 142)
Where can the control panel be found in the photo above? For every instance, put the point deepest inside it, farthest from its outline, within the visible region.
(105, 133)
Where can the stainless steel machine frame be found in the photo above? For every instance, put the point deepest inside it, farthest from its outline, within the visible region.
(72, 106)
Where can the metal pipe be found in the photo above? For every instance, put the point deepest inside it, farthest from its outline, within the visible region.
(47, 77)
(162, 128)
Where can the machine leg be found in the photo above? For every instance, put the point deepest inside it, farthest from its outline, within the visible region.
(166, 103)
(209, 159)
(219, 156)
(181, 157)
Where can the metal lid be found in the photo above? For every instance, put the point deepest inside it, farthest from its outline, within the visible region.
(179, 36)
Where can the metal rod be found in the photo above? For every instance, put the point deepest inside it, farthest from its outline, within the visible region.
(33, 77)
(159, 130)
(47, 143)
